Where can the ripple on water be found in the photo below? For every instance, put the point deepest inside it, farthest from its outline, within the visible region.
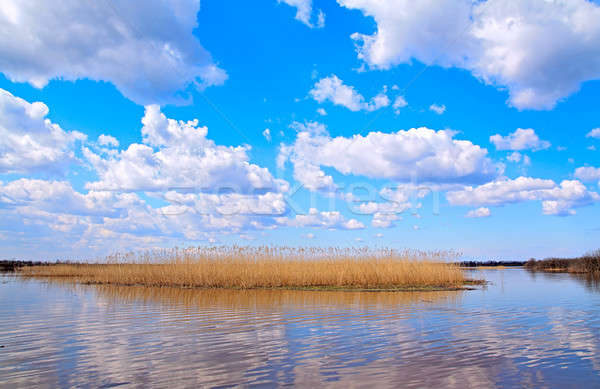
(504, 335)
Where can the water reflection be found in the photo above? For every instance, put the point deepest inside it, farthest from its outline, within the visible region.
(513, 333)
(270, 300)
(590, 280)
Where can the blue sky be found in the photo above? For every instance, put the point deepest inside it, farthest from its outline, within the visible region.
(462, 125)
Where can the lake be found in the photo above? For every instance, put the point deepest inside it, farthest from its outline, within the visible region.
(520, 330)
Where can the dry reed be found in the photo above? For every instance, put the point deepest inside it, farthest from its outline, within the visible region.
(267, 267)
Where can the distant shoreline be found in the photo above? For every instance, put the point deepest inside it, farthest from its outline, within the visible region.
(13, 265)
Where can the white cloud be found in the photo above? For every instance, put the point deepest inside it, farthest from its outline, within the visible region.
(306, 171)
(525, 46)
(50, 215)
(321, 111)
(177, 154)
(397, 199)
(320, 19)
(384, 220)
(149, 53)
(60, 218)
(595, 133)
(399, 102)
(60, 197)
(304, 12)
(521, 139)
(108, 140)
(420, 154)
(479, 212)
(515, 157)
(333, 89)
(324, 219)
(556, 199)
(439, 109)
(267, 134)
(227, 204)
(588, 173)
(31, 143)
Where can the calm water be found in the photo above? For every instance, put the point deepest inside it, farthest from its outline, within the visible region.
(522, 330)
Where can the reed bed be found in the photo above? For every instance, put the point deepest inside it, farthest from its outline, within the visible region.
(267, 267)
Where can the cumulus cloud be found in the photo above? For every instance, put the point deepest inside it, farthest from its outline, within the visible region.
(556, 199)
(588, 173)
(396, 200)
(267, 134)
(439, 109)
(515, 157)
(53, 212)
(149, 53)
(321, 111)
(59, 196)
(333, 89)
(304, 13)
(178, 154)
(479, 212)
(203, 189)
(521, 139)
(399, 102)
(31, 143)
(540, 51)
(324, 219)
(108, 140)
(418, 154)
(595, 133)
(384, 220)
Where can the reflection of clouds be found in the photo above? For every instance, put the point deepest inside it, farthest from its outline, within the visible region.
(71, 335)
(590, 280)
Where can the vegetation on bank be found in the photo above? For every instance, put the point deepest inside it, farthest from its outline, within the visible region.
(586, 264)
(13, 265)
(266, 267)
(491, 263)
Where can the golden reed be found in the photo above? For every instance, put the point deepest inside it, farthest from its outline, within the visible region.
(267, 267)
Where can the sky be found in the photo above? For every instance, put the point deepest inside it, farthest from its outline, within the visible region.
(471, 126)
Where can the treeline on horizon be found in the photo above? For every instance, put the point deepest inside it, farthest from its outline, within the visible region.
(588, 263)
(490, 263)
(13, 265)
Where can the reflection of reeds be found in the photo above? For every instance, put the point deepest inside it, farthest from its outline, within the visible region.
(259, 299)
(266, 267)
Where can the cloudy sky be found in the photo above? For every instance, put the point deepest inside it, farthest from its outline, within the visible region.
(428, 124)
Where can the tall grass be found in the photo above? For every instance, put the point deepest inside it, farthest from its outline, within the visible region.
(586, 264)
(267, 267)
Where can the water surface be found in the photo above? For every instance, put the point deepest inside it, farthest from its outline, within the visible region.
(522, 330)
